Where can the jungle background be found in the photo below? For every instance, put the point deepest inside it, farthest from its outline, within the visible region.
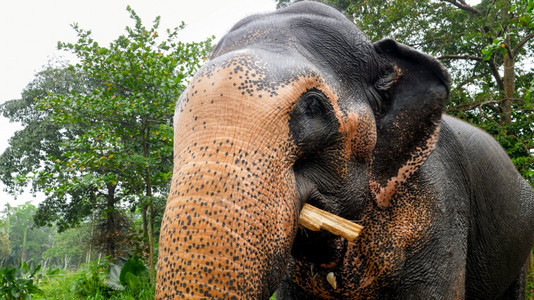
(96, 135)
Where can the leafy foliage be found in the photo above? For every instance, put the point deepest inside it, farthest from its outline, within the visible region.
(98, 134)
(112, 232)
(70, 247)
(27, 242)
(5, 247)
(90, 281)
(529, 288)
(66, 249)
(19, 283)
(132, 266)
(128, 117)
(57, 285)
(131, 279)
(124, 151)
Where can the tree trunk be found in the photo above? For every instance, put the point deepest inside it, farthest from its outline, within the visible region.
(151, 267)
(509, 73)
(23, 254)
(144, 209)
(509, 86)
(111, 222)
(66, 265)
(150, 208)
(88, 255)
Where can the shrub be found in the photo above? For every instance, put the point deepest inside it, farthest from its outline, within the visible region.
(90, 281)
(57, 284)
(132, 281)
(19, 283)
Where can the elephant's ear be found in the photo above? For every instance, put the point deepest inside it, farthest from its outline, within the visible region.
(413, 89)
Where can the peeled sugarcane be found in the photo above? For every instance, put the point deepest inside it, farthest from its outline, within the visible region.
(316, 219)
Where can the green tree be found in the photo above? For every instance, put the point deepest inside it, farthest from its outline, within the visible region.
(124, 153)
(69, 247)
(486, 47)
(40, 136)
(5, 248)
(27, 241)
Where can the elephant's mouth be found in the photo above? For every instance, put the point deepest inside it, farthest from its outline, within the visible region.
(321, 249)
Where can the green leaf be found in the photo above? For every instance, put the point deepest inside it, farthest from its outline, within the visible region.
(134, 266)
(132, 281)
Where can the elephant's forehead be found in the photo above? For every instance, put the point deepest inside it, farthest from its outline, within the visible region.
(255, 76)
(244, 87)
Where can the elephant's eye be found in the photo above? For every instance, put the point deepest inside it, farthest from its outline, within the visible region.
(314, 104)
(313, 123)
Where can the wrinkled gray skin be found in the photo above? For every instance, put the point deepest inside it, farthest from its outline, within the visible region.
(296, 107)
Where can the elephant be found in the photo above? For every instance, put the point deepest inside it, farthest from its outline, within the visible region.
(297, 106)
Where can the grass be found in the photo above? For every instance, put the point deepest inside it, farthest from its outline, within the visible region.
(58, 286)
(85, 283)
(529, 287)
(66, 284)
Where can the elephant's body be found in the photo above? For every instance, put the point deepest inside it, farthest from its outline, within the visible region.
(500, 206)
(299, 107)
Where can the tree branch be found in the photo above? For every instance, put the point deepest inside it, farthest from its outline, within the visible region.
(467, 81)
(509, 50)
(522, 42)
(467, 57)
(471, 105)
(525, 147)
(464, 6)
(496, 75)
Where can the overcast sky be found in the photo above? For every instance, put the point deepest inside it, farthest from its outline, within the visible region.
(30, 30)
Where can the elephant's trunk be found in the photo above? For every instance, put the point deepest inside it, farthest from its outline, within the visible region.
(228, 233)
(232, 213)
(222, 244)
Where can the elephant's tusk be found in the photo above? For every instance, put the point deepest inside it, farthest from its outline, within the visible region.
(331, 278)
(316, 219)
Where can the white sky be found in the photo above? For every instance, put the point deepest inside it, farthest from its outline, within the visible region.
(30, 30)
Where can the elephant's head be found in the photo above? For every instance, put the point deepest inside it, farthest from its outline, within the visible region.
(295, 106)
